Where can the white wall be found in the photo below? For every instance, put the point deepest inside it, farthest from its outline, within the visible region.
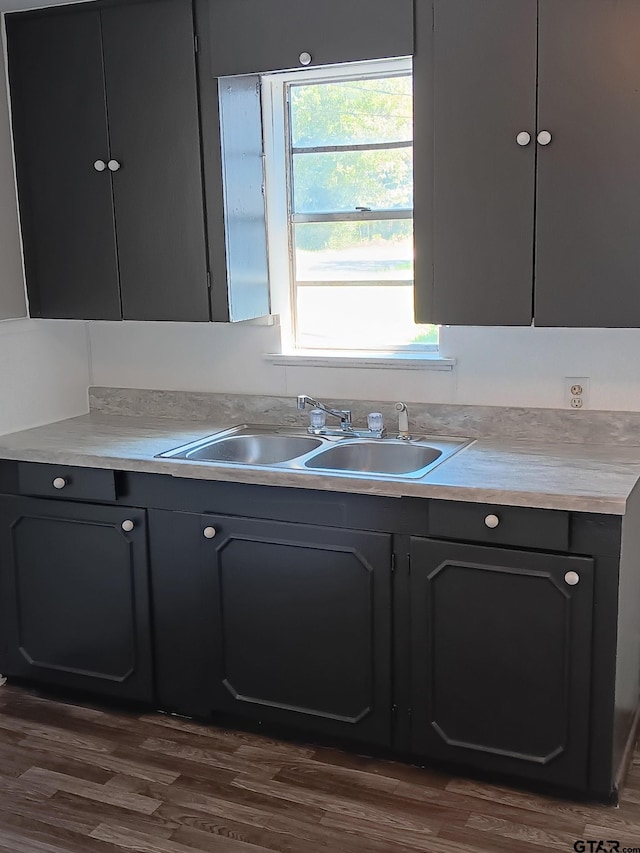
(495, 366)
(504, 366)
(44, 372)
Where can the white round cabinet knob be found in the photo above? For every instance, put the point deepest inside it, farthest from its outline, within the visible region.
(572, 578)
(99, 165)
(523, 138)
(305, 58)
(59, 483)
(544, 137)
(492, 521)
(113, 165)
(209, 532)
(127, 526)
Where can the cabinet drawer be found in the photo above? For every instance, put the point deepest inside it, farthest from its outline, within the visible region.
(64, 481)
(527, 528)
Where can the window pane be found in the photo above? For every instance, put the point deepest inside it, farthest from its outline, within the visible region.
(352, 112)
(354, 251)
(353, 280)
(345, 180)
(359, 317)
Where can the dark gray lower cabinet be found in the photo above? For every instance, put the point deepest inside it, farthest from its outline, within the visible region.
(502, 659)
(285, 623)
(430, 633)
(74, 607)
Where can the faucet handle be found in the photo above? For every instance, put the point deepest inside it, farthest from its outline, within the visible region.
(317, 418)
(375, 421)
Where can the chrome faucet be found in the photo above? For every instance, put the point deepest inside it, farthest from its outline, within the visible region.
(344, 415)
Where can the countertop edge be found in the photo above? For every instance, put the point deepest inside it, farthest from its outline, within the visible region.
(315, 482)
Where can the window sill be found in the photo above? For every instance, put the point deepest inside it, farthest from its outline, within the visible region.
(367, 360)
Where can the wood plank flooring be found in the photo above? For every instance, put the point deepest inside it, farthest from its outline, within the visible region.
(77, 779)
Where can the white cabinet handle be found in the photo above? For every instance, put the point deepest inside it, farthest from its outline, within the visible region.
(59, 483)
(113, 165)
(127, 525)
(523, 138)
(209, 532)
(492, 521)
(572, 578)
(305, 58)
(544, 137)
(99, 165)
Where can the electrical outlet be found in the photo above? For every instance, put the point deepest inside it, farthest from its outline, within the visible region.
(576, 392)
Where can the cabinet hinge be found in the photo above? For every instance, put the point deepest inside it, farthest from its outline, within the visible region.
(208, 280)
(394, 712)
(196, 45)
(393, 563)
(409, 712)
(408, 564)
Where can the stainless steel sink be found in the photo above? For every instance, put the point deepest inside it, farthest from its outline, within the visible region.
(386, 457)
(376, 457)
(248, 445)
(295, 450)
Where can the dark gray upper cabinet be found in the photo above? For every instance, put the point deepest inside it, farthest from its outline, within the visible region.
(475, 90)
(239, 39)
(60, 129)
(152, 100)
(251, 36)
(117, 85)
(588, 217)
(476, 72)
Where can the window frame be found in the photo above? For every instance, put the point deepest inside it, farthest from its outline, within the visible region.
(279, 202)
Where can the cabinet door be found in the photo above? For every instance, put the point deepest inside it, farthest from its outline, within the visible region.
(474, 92)
(74, 596)
(502, 659)
(60, 129)
(250, 36)
(153, 124)
(588, 214)
(285, 623)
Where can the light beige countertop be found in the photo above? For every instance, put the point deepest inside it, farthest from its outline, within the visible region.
(548, 475)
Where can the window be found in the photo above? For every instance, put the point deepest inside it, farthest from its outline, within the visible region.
(339, 178)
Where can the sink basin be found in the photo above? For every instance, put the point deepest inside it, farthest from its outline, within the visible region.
(254, 449)
(248, 445)
(386, 457)
(377, 457)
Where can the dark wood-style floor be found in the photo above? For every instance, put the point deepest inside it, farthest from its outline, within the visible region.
(78, 779)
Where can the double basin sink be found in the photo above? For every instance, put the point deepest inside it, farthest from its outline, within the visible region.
(288, 448)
